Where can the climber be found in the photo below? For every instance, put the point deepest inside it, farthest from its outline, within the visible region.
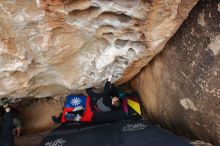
(102, 108)
(7, 138)
(106, 101)
(106, 106)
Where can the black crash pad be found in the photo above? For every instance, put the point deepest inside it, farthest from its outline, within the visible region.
(124, 133)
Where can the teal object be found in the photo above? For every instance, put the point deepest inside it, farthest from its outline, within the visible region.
(121, 95)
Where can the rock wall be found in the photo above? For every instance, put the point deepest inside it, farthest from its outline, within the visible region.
(36, 114)
(51, 47)
(180, 88)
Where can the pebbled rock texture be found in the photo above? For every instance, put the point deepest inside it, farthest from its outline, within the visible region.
(180, 88)
(52, 47)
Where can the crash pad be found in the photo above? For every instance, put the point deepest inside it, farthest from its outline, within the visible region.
(123, 133)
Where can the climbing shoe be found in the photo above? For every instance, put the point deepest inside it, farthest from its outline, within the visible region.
(55, 120)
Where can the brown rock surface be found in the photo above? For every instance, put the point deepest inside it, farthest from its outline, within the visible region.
(180, 88)
(36, 114)
(51, 47)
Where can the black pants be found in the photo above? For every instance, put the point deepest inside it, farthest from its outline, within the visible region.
(111, 116)
(110, 90)
(7, 136)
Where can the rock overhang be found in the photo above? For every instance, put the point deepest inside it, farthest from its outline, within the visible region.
(63, 46)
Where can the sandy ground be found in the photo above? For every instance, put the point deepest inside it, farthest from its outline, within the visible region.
(30, 140)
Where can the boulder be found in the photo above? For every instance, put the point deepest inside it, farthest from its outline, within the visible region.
(53, 47)
(180, 88)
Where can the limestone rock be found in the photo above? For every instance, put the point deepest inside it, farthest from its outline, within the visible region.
(200, 143)
(51, 47)
(180, 89)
